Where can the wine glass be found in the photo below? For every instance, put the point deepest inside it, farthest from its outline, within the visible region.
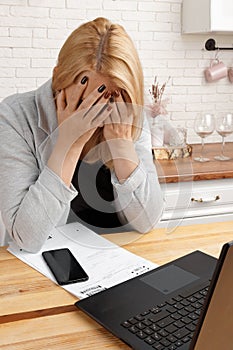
(204, 126)
(224, 127)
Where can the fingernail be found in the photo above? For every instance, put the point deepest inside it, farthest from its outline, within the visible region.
(102, 88)
(116, 93)
(84, 80)
(107, 94)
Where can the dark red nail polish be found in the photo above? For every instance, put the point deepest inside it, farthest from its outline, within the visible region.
(107, 94)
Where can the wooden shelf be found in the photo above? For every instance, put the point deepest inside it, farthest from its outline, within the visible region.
(187, 169)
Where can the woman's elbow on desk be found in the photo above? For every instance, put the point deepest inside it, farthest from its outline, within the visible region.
(29, 246)
(148, 219)
(28, 241)
(146, 228)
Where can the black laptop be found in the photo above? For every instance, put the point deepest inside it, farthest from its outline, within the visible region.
(185, 304)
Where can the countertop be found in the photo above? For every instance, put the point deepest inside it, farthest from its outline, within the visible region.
(187, 169)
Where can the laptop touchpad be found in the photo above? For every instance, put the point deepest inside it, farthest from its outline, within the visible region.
(169, 279)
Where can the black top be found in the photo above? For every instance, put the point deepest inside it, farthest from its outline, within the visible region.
(94, 205)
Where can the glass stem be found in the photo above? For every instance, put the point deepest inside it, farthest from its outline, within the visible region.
(223, 144)
(202, 147)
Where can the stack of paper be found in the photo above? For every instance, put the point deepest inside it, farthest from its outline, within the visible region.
(105, 263)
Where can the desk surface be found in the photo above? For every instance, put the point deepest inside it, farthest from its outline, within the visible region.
(37, 314)
(187, 169)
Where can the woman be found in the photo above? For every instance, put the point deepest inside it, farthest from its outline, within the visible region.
(77, 143)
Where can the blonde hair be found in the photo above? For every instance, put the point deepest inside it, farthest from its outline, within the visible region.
(105, 48)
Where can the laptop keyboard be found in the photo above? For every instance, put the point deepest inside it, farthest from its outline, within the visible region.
(170, 324)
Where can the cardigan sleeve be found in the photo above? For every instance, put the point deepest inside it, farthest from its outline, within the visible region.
(140, 198)
(32, 201)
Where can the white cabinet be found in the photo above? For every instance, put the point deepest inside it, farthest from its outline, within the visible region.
(197, 202)
(207, 16)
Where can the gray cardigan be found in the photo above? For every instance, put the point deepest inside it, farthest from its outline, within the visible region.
(33, 199)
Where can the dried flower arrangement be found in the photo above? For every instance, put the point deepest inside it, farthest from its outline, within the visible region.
(158, 106)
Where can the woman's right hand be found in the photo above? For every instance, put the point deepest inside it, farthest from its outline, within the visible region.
(77, 119)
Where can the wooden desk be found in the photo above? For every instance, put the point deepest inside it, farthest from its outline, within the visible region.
(37, 314)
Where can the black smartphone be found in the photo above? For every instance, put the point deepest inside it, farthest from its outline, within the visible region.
(64, 266)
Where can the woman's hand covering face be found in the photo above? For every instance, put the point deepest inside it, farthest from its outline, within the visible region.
(78, 118)
(119, 123)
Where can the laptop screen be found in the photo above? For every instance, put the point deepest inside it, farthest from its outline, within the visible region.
(217, 328)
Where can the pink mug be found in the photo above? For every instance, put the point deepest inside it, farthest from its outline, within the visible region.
(216, 71)
(230, 74)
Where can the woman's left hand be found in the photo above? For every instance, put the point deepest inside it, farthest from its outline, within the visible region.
(118, 135)
(118, 125)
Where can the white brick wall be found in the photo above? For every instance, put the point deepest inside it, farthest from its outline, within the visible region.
(32, 31)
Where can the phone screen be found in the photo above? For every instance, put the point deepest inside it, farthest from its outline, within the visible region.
(64, 266)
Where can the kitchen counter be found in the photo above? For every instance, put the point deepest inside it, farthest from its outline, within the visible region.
(187, 169)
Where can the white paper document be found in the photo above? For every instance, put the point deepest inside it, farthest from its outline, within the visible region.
(105, 263)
